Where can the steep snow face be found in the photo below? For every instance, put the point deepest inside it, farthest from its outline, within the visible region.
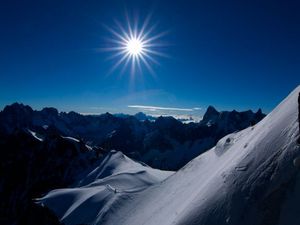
(249, 177)
(106, 187)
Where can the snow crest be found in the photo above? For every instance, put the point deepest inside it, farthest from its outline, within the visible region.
(248, 178)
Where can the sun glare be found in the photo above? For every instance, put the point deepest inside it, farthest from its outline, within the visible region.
(135, 45)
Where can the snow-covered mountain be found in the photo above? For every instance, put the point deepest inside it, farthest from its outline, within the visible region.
(250, 177)
(165, 143)
(47, 149)
(102, 189)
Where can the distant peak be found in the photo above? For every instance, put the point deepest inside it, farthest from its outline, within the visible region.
(73, 113)
(140, 113)
(211, 109)
(108, 114)
(259, 111)
(165, 119)
(210, 112)
(50, 110)
(17, 107)
(140, 116)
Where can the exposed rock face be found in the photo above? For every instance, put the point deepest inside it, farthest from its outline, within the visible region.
(250, 177)
(33, 163)
(39, 153)
(210, 114)
(165, 143)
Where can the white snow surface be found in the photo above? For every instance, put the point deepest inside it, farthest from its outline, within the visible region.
(102, 188)
(248, 178)
(35, 135)
(71, 139)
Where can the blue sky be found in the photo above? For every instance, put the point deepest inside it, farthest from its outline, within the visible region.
(230, 54)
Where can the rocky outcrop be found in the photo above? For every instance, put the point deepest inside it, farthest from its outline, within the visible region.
(33, 163)
(150, 142)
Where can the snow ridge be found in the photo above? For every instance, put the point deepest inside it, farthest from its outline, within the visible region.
(102, 189)
(248, 178)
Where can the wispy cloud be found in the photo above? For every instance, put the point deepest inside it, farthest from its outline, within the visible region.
(159, 108)
(145, 95)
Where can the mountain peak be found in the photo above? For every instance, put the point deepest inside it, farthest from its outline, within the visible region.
(50, 111)
(17, 107)
(210, 113)
(140, 116)
(211, 109)
(259, 111)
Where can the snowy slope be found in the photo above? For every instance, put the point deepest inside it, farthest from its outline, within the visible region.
(250, 177)
(102, 189)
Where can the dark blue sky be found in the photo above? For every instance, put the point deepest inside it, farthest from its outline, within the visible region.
(230, 54)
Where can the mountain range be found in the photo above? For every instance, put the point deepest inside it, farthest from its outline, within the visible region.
(163, 143)
(45, 150)
(249, 177)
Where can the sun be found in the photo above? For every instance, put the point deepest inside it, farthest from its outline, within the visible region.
(136, 45)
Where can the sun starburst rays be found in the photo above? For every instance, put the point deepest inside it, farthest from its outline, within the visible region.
(135, 45)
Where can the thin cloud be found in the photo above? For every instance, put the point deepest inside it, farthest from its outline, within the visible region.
(155, 108)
